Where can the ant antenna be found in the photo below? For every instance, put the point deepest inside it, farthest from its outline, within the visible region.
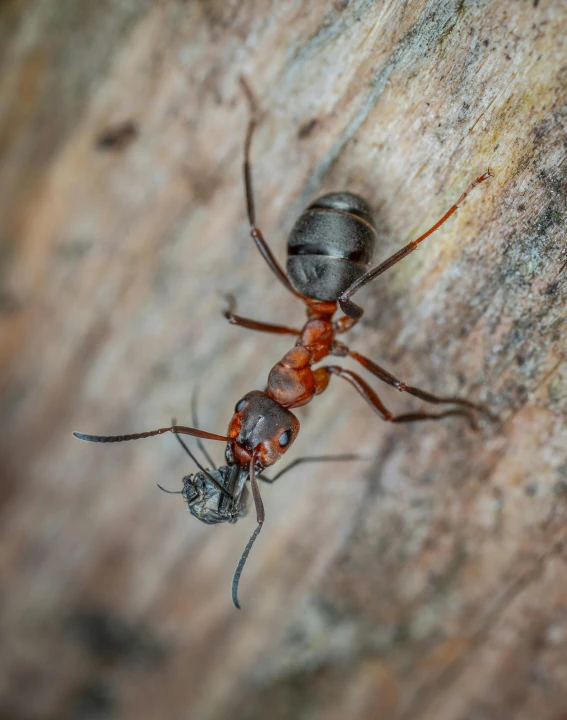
(260, 517)
(201, 468)
(151, 433)
(176, 429)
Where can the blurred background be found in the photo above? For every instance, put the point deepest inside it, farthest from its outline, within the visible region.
(430, 582)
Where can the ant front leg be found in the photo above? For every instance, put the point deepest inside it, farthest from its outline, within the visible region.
(234, 319)
(389, 379)
(345, 457)
(255, 232)
(354, 311)
(363, 389)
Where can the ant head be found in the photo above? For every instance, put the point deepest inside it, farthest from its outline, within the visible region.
(260, 426)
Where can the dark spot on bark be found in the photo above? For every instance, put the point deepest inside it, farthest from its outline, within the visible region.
(341, 5)
(551, 289)
(306, 128)
(555, 180)
(109, 638)
(117, 137)
(204, 182)
(221, 16)
(542, 129)
(486, 43)
(463, 112)
(531, 490)
(521, 207)
(548, 218)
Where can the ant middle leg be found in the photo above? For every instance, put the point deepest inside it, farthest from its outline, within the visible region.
(389, 379)
(363, 389)
(234, 319)
(255, 231)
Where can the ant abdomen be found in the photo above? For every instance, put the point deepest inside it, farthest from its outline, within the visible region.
(331, 245)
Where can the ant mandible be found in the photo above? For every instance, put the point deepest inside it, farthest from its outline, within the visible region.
(328, 257)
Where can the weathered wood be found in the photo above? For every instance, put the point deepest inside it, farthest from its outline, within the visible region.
(430, 583)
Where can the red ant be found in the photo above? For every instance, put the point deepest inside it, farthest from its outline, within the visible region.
(329, 252)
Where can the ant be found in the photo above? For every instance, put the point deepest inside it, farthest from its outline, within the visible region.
(329, 253)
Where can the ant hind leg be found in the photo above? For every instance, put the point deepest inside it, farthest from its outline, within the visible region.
(389, 379)
(364, 389)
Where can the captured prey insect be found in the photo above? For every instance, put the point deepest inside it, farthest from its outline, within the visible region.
(329, 253)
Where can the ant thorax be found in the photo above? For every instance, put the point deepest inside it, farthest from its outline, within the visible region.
(208, 503)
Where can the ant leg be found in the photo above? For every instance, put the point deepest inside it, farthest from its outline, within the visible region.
(344, 324)
(363, 389)
(255, 232)
(389, 379)
(254, 324)
(353, 310)
(320, 458)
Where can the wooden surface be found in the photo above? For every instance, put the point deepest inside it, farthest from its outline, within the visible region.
(430, 583)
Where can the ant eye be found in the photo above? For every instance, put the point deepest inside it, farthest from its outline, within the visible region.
(285, 438)
(239, 405)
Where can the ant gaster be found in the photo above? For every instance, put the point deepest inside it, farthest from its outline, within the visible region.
(330, 249)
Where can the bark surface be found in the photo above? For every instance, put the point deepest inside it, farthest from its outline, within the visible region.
(427, 584)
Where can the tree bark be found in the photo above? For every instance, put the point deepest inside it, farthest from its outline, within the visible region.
(428, 583)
